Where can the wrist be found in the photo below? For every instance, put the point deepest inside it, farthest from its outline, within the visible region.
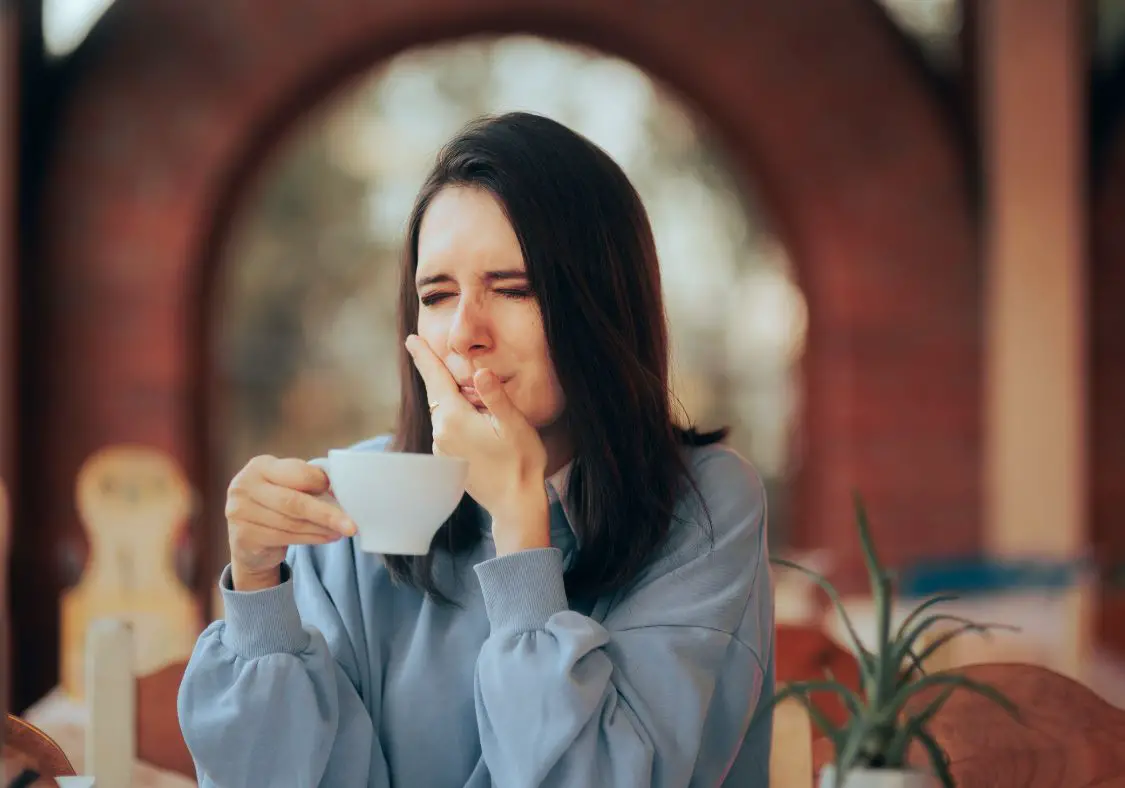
(523, 524)
(245, 579)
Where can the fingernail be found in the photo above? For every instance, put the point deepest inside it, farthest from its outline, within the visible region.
(347, 527)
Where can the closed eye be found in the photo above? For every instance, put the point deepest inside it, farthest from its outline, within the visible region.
(432, 298)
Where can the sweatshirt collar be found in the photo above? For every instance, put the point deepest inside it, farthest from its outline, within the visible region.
(557, 485)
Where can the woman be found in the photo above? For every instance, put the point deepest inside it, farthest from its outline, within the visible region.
(596, 612)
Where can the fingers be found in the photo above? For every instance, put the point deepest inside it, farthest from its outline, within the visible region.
(249, 508)
(279, 530)
(440, 385)
(492, 393)
(295, 474)
(299, 506)
(281, 494)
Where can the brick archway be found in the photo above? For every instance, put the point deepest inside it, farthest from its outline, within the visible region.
(818, 104)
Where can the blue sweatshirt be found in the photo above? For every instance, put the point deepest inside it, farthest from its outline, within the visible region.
(337, 677)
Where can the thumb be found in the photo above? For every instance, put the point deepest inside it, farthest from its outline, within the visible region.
(492, 393)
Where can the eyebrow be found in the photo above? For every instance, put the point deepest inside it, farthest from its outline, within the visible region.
(489, 276)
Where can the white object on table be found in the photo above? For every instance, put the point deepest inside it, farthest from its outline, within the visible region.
(81, 781)
(111, 693)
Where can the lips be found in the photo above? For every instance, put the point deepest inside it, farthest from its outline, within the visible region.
(469, 392)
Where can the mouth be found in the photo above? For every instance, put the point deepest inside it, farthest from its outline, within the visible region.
(469, 392)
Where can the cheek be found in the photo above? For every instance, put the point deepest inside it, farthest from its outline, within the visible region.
(540, 395)
(557, 397)
(434, 329)
(551, 400)
(554, 388)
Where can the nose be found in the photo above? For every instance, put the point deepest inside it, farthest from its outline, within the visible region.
(469, 332)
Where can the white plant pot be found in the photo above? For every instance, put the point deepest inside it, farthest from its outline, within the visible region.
(878, 778)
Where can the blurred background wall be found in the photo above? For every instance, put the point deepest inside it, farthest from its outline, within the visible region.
(890, 236)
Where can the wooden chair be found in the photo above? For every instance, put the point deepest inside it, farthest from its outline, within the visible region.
(1068, 737)
(129, 624)
(133, 501)
(159, 740)
(27, 747)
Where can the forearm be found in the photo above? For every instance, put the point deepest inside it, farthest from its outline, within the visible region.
(264, 692)
(263, 701)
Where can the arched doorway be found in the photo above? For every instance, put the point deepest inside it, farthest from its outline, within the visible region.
(303, 315)
(177, 107)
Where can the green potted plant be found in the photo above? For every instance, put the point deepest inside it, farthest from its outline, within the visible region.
(872, 748)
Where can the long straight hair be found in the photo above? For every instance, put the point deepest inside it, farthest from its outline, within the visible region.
(592, 265)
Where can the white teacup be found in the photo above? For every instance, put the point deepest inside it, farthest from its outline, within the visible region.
(397, 500)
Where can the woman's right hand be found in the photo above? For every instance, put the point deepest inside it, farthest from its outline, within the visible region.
(271, 504)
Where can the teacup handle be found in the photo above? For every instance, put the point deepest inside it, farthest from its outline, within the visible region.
(322, 463)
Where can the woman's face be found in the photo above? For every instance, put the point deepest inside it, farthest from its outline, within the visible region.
(475, 305)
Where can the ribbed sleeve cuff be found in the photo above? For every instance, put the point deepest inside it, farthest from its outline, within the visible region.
(522, 590)
(262, 622)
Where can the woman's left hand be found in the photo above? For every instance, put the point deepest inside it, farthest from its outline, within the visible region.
(507, 459)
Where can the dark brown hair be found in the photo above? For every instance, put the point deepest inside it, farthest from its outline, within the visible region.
(591, 262)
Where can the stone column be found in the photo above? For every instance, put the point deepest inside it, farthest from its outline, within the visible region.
(1033, 133)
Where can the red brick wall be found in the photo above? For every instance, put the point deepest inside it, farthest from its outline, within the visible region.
(836, 129)
(1107, 384)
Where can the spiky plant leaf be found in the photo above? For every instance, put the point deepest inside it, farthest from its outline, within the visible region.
(895, 706)
(982, 629)
(900, 746)
(938, 599)
(848, 755)
(805, 688)
(920, 629)
(892, 672)
(880, 589)
(835, 734)
(870, 558)
(916, 666)
(862, 655)
(938, 759)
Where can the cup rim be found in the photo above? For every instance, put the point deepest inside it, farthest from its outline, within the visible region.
(409, 456)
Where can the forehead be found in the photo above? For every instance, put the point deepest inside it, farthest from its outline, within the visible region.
(466, 227)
